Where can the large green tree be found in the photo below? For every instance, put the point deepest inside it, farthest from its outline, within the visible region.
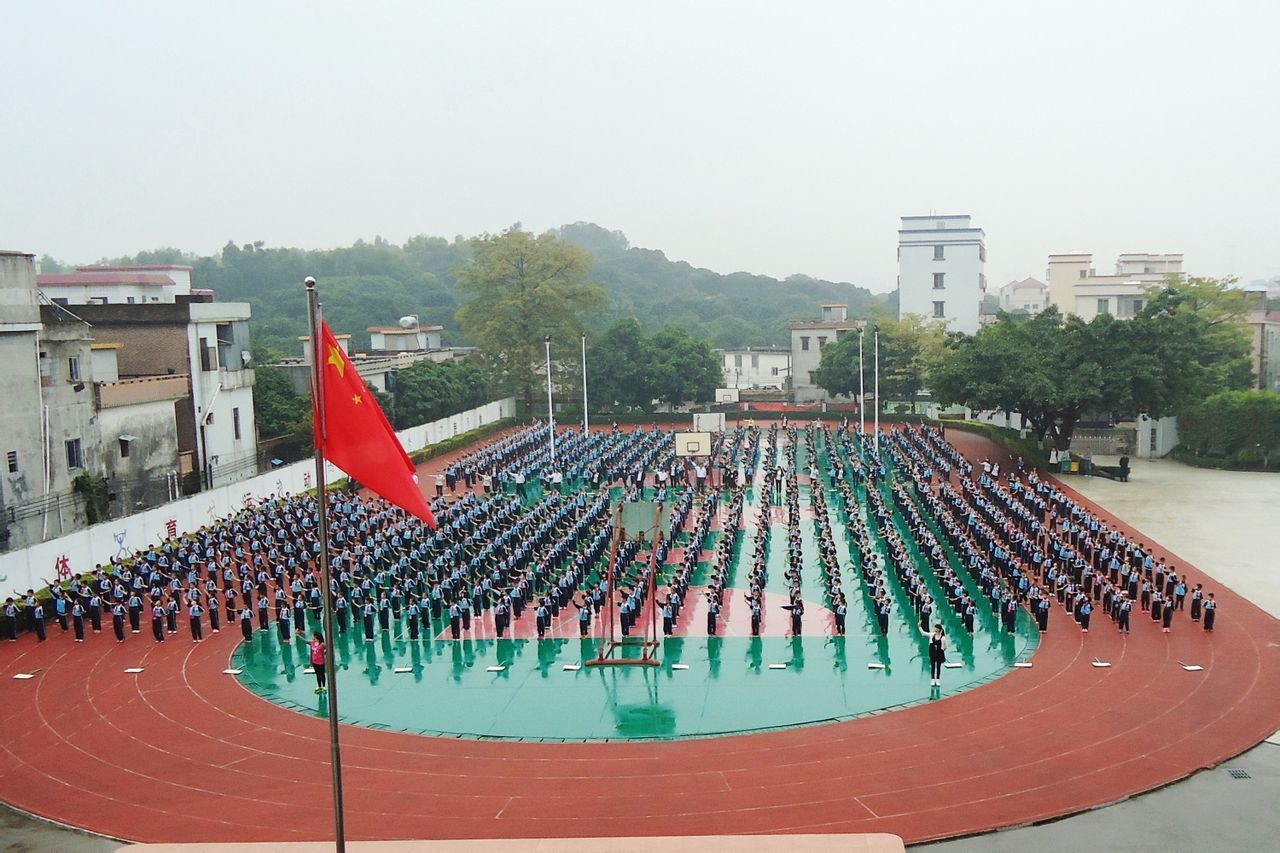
(1239, 425)
(524, 288)
(1054, 371)
(685, 370)
(628, 368)
(426, 391)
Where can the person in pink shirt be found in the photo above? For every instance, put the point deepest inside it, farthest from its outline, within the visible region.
(317, 659)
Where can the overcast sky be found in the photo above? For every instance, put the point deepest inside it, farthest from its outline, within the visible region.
(770, 137)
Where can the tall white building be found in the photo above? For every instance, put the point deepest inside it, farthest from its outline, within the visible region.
(941, 262)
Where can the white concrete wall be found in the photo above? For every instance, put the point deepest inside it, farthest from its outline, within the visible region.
(31, 567)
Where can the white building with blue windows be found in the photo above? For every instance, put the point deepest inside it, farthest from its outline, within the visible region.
(941, 270)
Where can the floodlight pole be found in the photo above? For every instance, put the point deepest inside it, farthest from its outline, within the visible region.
(862, 394)
(586, 426)
(876, 439)
(551, 412)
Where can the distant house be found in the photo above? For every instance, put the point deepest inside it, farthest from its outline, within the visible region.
(1030, 295)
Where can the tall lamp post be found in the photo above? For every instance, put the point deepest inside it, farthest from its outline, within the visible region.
(862, 395)
(551, 412)
(876, 440)
(586, 426)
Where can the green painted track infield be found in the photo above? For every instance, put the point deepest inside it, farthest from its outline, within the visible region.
(727, 688)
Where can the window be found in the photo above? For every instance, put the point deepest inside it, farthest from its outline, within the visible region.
(235, 423)
(75, 456)
(73, 369)
(1034, 306)
(131, 299)
(1084, 273)
(206, 355)
(822, 341)
(775, 371)
(982, 253)
(937, 253)
(1104, 306)
(755, 362)
(61, 300)
(939, 309)
(124, 448)
(97, 300)
(13, 461)
(804, 343)
(937, 280)
(737, 360)
(1137, 305)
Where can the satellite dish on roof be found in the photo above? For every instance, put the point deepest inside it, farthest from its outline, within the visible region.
(409, 322)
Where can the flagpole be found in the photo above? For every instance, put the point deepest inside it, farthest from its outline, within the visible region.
(551, 412)
(586, 427)
(876, 441)
(862, 395)
(322, 508)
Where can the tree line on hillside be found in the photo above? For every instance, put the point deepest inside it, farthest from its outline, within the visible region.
(375, 283)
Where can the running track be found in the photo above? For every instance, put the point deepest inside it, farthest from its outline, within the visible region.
(182, 752)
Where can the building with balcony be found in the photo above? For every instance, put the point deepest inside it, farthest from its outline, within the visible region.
(181, 332)
(1075, 287)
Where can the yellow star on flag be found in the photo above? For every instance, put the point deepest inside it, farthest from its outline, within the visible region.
(335, 358)
(356, 398)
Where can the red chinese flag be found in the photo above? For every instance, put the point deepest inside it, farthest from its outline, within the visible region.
(356, 436)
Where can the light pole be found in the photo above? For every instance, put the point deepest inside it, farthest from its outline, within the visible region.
(551, 412)
(862, 395)
(876, 439)
(586, 426)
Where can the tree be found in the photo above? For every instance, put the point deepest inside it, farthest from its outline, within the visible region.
(620, 365)
(1053, 372)
(908, 347)
(277, 409)
(426, 391)
(1240, 425)
(684, 368)
(523, 289)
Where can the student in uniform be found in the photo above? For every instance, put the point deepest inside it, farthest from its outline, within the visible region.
(77, 620)
(1197, 602)
(411, 614)
(1210, 612)
(282, 625)
(157, 620)
(368, 621)
(1166, 617)
(713, 611)
(215, 624)
(117, 621)
(246, 624)
(937, 654)
(37, 617)
(193, 616)
(135, 613)
(1085, 611)
(264, 614)
(455, 621)
(882, 615)
(584, 619)
(841, 610)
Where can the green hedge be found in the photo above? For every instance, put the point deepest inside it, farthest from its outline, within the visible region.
(1246, 461)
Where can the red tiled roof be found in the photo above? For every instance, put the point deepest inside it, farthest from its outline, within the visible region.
(103, 277)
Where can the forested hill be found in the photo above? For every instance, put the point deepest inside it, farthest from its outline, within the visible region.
(376, 283)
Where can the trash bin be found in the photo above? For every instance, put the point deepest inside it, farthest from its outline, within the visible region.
(1075, 467)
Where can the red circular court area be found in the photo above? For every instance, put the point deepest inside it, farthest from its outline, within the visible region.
(182, 752)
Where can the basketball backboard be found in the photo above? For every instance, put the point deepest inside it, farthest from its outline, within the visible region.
(693, 444)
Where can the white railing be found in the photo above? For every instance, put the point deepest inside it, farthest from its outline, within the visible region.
(80, 551)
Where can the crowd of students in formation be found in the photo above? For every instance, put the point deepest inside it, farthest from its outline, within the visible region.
(521, 531)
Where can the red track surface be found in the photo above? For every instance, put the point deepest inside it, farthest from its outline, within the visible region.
(182, 752)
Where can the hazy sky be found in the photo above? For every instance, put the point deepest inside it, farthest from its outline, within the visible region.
(771, 137)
